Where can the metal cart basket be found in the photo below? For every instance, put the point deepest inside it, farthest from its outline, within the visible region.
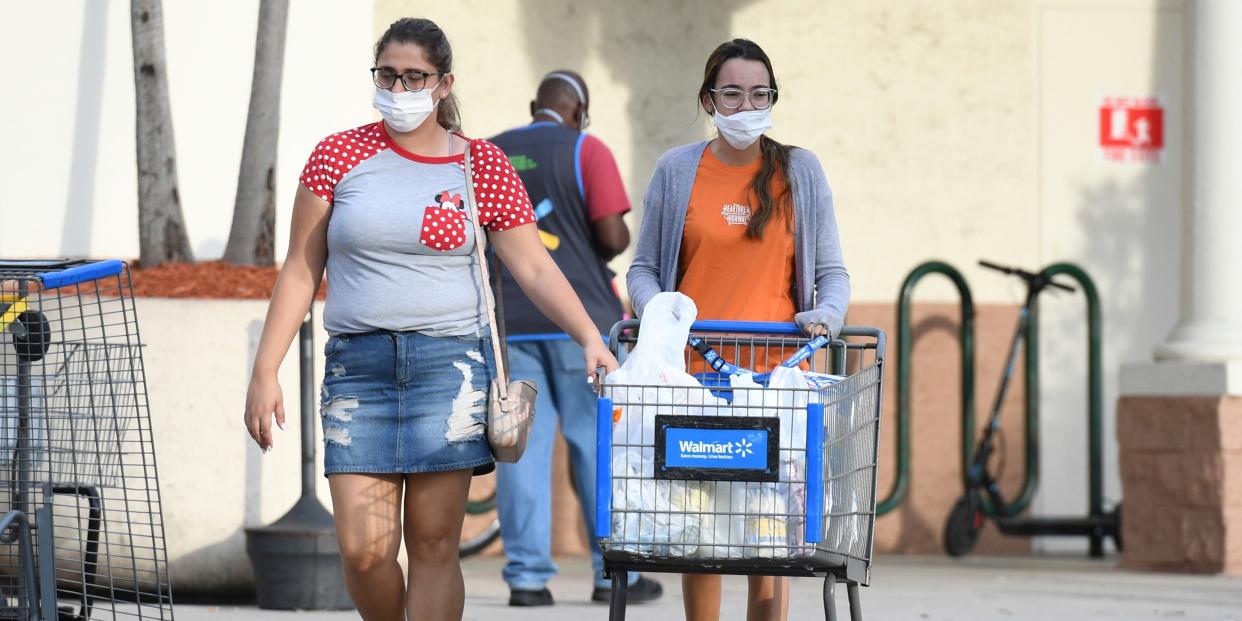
(720, 478)
(81, 532)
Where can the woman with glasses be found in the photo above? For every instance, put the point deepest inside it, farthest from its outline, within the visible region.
(744, 226)
(381, 208)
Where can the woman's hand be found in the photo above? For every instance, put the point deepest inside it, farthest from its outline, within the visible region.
(299, 279)
(597, 355)
(818, 322)
(262, 399)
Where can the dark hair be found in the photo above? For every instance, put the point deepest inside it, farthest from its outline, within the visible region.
(775, 154)
(426, 34)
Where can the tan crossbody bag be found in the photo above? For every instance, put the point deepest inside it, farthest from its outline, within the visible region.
(510, 405)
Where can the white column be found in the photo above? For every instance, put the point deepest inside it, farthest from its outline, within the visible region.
(1210, 329)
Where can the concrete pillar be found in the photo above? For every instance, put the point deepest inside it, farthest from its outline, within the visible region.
(1211, 318)
(1179, 420)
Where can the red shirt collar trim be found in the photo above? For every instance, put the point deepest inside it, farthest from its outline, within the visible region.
(425, 159)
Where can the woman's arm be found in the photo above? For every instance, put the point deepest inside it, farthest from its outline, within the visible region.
(542, 281)
(296, 286)
(832, 281)
(643, 279)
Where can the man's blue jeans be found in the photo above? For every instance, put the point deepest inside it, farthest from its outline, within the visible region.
(524, 489)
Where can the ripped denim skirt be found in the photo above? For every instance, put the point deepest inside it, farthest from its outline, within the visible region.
(405, 402)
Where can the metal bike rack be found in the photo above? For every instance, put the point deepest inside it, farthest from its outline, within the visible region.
(905, 341)
(1098, 524)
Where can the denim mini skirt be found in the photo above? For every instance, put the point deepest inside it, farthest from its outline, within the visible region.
(405, 402)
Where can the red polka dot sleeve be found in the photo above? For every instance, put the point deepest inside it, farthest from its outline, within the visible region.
(503, 203)
(338, 154)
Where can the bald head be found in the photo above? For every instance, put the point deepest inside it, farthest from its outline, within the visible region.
(563, 93)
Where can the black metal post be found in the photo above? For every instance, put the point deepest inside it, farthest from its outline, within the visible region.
(297, 559)
(306, 347)
(21, 461)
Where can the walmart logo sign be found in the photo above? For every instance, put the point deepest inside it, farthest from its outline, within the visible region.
(716, 448)
(741, 448)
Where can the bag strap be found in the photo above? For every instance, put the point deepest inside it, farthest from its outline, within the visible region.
(498, 294)
(480, 238)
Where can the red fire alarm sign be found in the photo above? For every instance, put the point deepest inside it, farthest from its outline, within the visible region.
(1131, 129)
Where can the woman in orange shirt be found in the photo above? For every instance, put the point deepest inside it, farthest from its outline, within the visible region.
(744, 226)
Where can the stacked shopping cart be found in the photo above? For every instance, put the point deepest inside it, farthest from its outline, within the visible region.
(82, 535)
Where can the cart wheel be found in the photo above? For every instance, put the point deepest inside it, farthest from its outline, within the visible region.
(961, 531)
(32, 335)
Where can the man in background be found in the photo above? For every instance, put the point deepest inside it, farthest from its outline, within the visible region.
(579, 200)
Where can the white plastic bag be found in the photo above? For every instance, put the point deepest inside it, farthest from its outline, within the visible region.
(660, 517)
(689, 501)
(773, 510)
(729, 505)
(633, 498)
(657, 362)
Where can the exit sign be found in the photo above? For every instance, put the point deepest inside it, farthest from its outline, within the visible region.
(1131, 129)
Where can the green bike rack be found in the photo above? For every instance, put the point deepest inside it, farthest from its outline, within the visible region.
(966, 332)
(1098, 523)
(1095, 399)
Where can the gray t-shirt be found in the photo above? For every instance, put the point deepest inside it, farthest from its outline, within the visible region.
(400, 241)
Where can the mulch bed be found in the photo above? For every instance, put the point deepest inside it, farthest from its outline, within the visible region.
(215, 280)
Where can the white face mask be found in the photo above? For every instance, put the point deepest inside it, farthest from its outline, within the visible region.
(742, 129)
(404, 111)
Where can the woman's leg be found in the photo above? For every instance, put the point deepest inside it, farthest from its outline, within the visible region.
(768, 598)
(701, 595)
(435, 504)
(368, 524)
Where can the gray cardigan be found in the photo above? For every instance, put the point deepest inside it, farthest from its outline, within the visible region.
(822, 285)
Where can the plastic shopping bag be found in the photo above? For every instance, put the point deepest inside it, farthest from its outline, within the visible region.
(656, 364)
(655, 516)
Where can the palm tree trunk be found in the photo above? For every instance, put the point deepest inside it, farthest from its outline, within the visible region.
(161, 228)
(252, 238)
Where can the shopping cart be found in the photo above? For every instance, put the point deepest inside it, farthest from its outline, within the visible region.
(81, 532)
(734, 480)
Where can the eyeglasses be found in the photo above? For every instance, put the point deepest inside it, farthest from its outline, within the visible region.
(412, 80)
(733, 98)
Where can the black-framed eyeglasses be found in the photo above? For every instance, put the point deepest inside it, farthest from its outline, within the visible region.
(733, 98)
(412, 80)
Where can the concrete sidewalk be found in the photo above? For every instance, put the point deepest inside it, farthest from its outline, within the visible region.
(904, 588)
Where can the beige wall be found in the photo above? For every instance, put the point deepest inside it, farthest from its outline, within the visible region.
(68, 101)
(214, 480)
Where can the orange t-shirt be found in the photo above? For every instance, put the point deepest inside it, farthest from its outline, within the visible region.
(729, 275)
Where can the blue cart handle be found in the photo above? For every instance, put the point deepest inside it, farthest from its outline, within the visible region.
(788, 328)
(749, 327)
(81, 273)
